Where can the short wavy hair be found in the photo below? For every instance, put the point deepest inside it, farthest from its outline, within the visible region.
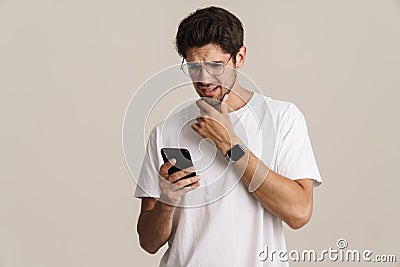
(210, 25)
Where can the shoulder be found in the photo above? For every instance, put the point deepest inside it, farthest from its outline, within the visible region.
(287, 117)
(280, 109)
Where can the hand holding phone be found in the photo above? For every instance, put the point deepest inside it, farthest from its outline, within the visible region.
(183, 161)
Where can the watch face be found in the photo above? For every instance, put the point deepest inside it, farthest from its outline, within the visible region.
(237, 152)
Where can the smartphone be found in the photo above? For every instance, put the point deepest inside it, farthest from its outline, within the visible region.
(182, 157)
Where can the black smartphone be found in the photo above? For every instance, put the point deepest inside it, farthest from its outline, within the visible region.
(182, 157)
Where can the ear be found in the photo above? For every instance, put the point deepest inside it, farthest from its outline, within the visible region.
(240, 57)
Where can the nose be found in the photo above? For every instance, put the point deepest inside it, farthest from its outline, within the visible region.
(204, 77)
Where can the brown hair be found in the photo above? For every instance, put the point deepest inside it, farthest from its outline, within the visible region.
(210, 25)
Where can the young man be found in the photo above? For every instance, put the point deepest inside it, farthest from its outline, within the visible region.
(235, 206)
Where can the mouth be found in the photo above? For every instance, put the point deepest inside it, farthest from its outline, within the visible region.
(209, 91)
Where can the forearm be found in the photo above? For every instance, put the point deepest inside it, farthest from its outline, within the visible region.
(154, 227)
(283, 197)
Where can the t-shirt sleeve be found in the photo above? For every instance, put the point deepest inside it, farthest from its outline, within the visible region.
(296, 157)
(148, 180)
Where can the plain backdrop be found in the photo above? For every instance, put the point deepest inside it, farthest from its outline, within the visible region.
(69, 68)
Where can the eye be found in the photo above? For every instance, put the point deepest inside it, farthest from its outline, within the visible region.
(192, 66)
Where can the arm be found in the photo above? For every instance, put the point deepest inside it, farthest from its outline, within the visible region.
(289, 200)
(155, 220)
(154, 224)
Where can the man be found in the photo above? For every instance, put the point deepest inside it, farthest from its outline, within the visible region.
(238, 219)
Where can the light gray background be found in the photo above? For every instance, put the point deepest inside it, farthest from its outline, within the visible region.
(69, 68)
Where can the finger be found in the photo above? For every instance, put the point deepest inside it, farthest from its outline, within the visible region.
(224, 105)
(203, 105)
(188, 182)
(186, 189)
(180, 174)
(200, 121)
(196, 127)
(166, 166)
(203, 113)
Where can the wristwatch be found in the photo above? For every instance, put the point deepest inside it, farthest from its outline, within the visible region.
(236, 153)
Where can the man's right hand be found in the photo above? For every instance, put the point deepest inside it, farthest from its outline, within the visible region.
(155, 220)
(173, 187)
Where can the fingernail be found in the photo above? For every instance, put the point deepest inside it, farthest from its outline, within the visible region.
(173, 161)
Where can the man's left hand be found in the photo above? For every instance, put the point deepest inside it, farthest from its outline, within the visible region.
(216, 125)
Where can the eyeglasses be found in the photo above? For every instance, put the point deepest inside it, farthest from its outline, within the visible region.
(193, 69)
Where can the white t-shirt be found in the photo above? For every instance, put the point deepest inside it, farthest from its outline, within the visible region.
(221, 223)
